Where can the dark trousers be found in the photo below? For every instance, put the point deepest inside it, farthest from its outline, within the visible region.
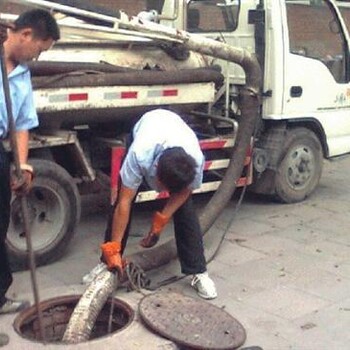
(189, 239)
(5, 198)
(188, 236)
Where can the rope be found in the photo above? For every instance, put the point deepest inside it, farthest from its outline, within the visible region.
(136, 278)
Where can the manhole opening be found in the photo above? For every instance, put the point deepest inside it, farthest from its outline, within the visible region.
(56, 314)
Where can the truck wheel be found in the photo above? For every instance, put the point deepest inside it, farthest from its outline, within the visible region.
(301, 165)
(54, 210)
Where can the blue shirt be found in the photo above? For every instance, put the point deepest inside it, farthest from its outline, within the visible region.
(153, 133)
(23, 108)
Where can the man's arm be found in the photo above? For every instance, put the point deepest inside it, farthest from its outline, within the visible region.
(122, 212)
(22, 144)
(112, 250)
(175, 201)
(22, 185)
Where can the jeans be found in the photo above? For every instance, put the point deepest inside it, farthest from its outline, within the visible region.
(188, 237)
(5, 198)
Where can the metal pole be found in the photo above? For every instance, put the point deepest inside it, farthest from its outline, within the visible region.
(24, 204)
(51, 5)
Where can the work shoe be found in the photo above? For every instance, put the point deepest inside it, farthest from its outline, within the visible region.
(204, 285)
(10, 306)
(89, 277)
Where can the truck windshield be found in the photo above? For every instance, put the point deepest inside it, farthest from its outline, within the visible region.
(212, 15)
(321, 39)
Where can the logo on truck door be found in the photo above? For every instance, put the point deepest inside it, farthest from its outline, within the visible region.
(342, 98)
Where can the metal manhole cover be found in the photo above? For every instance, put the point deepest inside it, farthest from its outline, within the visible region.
(191, 322)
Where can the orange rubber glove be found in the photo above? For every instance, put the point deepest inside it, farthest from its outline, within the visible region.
(159, 222)
(112, 257)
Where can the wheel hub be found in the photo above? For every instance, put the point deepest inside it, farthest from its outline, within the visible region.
(17, 216)
(44, 207)
(301, 167)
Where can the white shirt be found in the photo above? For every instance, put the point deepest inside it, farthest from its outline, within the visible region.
(155, 132)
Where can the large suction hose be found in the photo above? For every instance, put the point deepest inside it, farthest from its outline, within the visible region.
(88, 308)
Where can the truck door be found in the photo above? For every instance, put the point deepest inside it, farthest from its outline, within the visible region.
(316, 70)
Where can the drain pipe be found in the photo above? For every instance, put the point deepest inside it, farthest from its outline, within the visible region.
(85, 313)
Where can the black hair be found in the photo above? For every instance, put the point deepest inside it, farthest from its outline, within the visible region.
(42, 23)
(176, 169)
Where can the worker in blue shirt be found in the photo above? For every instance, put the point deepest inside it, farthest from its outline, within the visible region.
(165, 153)
(33, 32)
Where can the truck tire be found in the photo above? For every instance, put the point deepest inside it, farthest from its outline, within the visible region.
(54, 209)
(299, 171)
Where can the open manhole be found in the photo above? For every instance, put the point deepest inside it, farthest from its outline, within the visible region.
(56, 314)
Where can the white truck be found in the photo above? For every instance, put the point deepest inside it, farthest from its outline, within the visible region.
(93, 85)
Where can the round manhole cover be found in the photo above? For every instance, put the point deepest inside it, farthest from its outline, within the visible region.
(191, 322)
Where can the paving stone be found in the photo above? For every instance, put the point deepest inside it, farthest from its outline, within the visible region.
(256, 274)
(323, 284)
(342, 268)
(338, 224)
(334, 251)
(286, 302)
(232, 253)
(245, 227)
(277, 220)
(272, 244)
(301, 233)
(263, 329)
(330, 330)
(301, 264)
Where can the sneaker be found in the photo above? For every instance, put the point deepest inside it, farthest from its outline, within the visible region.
(89, 277)
(204, 285)
(10, 306)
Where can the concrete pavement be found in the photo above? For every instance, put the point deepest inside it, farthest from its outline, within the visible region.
(283, 271)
